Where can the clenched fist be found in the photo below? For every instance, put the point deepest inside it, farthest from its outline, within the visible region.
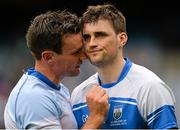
(97, 101)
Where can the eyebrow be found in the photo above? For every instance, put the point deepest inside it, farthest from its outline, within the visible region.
(97, 32)
(101, 33)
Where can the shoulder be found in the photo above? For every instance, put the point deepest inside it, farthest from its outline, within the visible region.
(142, 71)
(151, 87)
(142, 75)
(36, 95)
(34, 101)
(148, 82)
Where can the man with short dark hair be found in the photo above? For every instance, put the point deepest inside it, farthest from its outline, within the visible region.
(39, 100)
(138, 98)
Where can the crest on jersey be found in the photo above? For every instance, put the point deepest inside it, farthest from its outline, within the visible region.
(117, 112)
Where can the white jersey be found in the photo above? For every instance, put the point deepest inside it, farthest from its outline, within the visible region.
(139, 99)
(37, 103)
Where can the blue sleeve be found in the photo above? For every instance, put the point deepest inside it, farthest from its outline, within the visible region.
(162, 118)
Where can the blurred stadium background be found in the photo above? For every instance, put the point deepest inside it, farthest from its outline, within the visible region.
(153, 30)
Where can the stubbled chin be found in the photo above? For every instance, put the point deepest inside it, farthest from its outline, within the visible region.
(94, 58)
(93, 61)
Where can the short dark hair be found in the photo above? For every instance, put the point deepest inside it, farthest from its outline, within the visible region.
(105, 11)
(46, 31)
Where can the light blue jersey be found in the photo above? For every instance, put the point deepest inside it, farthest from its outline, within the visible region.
(139, 99)
(37, 103)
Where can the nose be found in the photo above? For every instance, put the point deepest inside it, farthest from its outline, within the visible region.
(83, 56)
(92, 42)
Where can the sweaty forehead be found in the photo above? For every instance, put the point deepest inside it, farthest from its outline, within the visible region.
(100, 25)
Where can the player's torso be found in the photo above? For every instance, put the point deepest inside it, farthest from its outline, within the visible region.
(59, 99)
(139, 99)
(123, 112)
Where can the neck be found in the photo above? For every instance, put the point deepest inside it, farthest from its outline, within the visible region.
(48, 72)
(111, 72)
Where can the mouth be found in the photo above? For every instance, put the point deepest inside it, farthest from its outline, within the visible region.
(94, 51)
(78, 65)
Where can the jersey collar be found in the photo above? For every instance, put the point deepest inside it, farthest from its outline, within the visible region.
(123, 74)
(33, 72)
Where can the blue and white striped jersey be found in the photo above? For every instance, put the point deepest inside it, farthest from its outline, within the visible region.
(139, 99)
(37, 103)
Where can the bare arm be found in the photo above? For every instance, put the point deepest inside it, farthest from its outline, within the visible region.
(97, 101)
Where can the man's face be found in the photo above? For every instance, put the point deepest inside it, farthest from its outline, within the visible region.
(72, 55)
(101, 42)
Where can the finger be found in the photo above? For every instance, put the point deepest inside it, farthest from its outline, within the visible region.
(100, 93)
(95, 88)
(96, 95)
(105, 98)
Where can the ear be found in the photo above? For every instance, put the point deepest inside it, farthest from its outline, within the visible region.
(122, 39)
(47, 56)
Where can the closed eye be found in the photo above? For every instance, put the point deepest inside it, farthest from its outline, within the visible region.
(86, 38)
(78, 51)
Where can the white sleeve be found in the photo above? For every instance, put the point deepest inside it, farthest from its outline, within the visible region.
(157, 105)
